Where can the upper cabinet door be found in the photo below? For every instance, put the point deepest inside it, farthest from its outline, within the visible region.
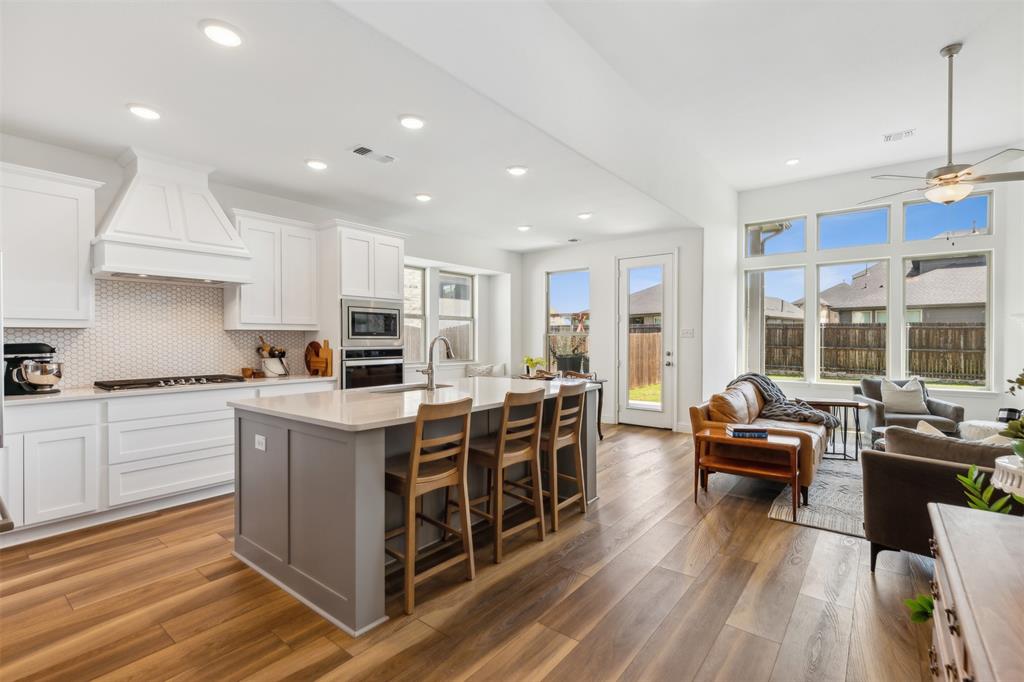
(357, 260)
(388, 266)
(47, 221)
(299, 280)
(261, 300)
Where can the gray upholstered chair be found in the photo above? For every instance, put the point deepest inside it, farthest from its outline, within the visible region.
(943, 415)
(917, 468)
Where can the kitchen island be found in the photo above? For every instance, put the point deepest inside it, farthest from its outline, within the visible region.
(310, 507)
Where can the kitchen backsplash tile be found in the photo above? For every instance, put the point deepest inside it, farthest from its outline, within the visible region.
(153, 329)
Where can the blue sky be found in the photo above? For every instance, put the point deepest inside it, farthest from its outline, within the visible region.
(570, 291)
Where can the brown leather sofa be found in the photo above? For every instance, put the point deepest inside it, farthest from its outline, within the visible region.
(741, 404)
(916, 468)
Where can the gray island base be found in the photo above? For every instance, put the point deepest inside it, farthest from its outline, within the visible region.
(310, 506)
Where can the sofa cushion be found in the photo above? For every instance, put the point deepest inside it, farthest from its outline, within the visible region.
(908, 398)
(910, 421)
(905, 441)
(731, 406)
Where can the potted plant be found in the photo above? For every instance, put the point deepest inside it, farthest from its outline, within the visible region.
(532, 363)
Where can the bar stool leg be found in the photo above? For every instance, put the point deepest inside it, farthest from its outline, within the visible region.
(538, 496)
(553, 476)
(447, 513)
(580, 485)
(498, 498)
(410, 554)
(465, 523)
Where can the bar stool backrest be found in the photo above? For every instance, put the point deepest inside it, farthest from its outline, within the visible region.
(567, 418)
(453, 444)
(521, 434)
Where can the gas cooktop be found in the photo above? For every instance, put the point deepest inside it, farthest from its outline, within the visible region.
(168, 382)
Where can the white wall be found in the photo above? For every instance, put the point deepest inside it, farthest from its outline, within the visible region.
(419, 244)
(601, 259)
(1006, 243)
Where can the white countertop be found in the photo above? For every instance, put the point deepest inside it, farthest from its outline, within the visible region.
(92, 393)
(373, 408)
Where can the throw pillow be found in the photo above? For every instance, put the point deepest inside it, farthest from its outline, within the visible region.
(925, 427)
(479, 370)
(996, 439)
(906, 399)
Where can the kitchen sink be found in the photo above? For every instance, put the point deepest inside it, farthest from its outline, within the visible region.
(406, 389)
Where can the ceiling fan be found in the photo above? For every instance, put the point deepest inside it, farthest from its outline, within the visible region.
(954, 181)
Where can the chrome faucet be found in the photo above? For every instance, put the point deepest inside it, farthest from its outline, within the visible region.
(429, 371)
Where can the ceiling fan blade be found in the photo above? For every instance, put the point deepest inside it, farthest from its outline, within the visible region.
(994, 162)
(996, 177)
(896, 194)
(897, 177)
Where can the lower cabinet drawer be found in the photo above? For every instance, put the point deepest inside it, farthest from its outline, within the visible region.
(139, 439)
(156, 477)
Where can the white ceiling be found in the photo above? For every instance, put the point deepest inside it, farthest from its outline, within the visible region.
(757, 83)
(310, 81)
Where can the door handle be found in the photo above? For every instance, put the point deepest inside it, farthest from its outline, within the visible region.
(668, 363)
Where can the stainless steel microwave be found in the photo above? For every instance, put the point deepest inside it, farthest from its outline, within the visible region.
(369, 322)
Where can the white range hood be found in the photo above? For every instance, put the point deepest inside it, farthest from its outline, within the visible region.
(166, 225)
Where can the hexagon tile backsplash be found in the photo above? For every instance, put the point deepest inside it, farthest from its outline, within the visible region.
(150, 330)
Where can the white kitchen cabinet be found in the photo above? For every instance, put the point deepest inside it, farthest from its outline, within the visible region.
(371, 264)
(283, 294)
(47, 221)
(12, 477)
(61, 473)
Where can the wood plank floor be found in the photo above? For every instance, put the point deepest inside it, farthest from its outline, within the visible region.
(648, 586)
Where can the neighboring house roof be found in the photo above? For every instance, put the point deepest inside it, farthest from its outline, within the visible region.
(931, 282)
(646, 301)
(777, 307)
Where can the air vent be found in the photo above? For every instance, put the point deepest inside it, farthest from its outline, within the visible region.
(898, 135)
(376, 156)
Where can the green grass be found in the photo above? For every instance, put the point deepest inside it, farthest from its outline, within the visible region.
(650, 393)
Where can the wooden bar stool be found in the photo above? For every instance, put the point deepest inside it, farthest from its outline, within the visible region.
(434, 462)
(564, 431)
(517, 442)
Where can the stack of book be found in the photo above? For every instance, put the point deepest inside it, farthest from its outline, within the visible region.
(746, 431)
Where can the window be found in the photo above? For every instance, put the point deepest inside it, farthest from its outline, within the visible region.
(413, 315)
(853, 228)
(568, 331)
(780, 236)
(775, 322)
(946, 319)
(925, 220)
(455, 314)
(853, 301)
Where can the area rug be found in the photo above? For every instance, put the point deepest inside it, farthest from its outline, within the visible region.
(836, 500)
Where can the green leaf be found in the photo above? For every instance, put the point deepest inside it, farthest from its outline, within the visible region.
(987, 495)
(1000, 503)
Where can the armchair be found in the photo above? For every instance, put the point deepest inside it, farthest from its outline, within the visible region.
(916, 468)
(943, 415)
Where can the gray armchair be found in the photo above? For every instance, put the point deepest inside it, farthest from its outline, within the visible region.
(943, 415)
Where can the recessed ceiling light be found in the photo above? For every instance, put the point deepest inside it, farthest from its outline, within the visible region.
(411, 122)
(523, 228)
(141, 275)
(585, 216)
(144, 112)
(516, 170)
(423, 198)
(574, 240)
(316, 164)
(792, 162)
(221, 32)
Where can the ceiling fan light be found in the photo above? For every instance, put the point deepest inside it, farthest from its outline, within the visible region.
(948, 194)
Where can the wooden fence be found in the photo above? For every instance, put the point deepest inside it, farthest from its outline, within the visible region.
(644, 357)
(944, 351)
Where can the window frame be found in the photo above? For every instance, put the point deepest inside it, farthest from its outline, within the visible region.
(904, 348)
(472, 318)
(745, 330)
(989, 217)
(843, 211)
(746, 228)
(406, 315)
(547, 314)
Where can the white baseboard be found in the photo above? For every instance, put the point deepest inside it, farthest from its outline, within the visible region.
(20, 536)
(683, 427)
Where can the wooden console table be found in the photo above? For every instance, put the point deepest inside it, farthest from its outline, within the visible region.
(978, 590)
(786, 469)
